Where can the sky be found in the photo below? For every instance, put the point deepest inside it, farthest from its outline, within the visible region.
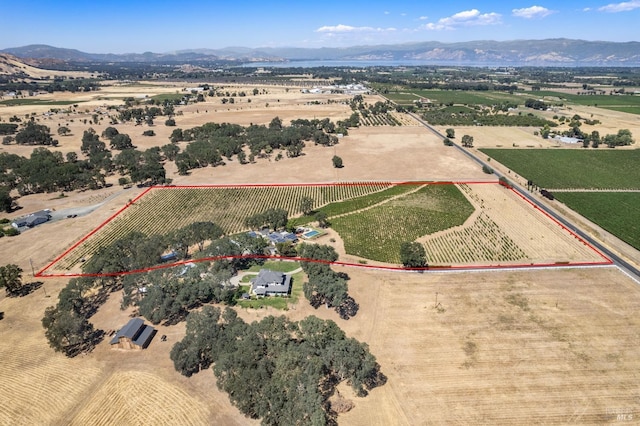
(132, 26)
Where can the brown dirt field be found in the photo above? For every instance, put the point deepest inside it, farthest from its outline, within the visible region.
(510, 347)
(543, 346)
(523, 137)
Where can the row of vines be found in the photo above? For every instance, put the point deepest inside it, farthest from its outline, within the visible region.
(378, 232)
(165, 209)
(385, 119)
(483, 241)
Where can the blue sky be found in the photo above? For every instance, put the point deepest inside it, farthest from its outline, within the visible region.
(121, 26)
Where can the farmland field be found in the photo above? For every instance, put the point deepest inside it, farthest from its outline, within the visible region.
(163, 209)
(603, 101)
(377, 233)
(23, 101)
(371, 219)
(455, 96)
(617, 212)
(573, 169)
(548, 346)
(358, 203)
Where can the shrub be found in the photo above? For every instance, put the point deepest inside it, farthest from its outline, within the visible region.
(488, 170)
(11, 232)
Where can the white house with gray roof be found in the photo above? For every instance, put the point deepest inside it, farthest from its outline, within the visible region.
(271, 283)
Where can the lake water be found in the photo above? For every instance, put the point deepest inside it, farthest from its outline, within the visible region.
(397, 63)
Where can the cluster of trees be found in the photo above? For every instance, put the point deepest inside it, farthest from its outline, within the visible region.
(276, 370)
(144, 166)
(622, 138)
(273, 218)
(118, 141)
(66, 324)
(168, 295)
(8, 128)
(165, 295)
(11, 278)
(536, 104)
(137, 250)
(48, 171)
(484, 117)
(132, 252)
(211, 142)
(325, 286)
(57, 85)
(413, 255)
(143, 115)
(467, 141)
(7, 203)
(31, 133)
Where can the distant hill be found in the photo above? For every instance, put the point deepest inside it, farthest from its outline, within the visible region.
(549, 52)
(17, 67)
(13, 66)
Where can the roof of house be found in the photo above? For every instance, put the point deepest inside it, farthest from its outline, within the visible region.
(35, 218)
(269, 281)
(136, 331)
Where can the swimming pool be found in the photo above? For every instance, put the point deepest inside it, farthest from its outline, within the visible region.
(311, 234)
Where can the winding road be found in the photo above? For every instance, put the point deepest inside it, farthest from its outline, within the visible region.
(622, 264)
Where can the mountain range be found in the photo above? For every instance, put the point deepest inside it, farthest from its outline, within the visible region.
(547, 52)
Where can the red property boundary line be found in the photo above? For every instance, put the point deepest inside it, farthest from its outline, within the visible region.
(41, 273)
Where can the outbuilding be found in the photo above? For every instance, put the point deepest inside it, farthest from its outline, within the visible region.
(134, 335)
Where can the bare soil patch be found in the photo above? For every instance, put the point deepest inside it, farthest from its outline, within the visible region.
(506, 347)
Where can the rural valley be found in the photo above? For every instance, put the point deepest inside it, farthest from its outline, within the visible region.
(458, 244)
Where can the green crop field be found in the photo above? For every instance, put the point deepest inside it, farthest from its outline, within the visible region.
(614, 102)
(378, 232)
(603, 168)
(468, 97)
(13, 102)
(168, 96)
(164, 209)
(629, 109)
(617, 212)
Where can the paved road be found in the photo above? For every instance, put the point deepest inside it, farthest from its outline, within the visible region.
(618, 261)
(84, 210)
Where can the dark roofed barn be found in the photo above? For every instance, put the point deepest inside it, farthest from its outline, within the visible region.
(134, 335)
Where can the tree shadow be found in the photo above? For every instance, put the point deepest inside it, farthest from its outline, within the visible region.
(349, 308)
(26, 289)
(87, 345)
(92, 304)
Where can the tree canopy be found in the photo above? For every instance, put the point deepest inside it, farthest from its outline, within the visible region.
(413, 255)
(11, 278)
(35, 134)
(277, 370)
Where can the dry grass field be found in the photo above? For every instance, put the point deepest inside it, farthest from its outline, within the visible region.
(509, 347)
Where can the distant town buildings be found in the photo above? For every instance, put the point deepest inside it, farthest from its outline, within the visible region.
(349, 89)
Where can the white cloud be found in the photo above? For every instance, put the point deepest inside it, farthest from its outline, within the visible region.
(386, 12)
(423, 18)
(625, 6)
(586, 9)
(532, 12)
(340, 28)
(466, 18)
